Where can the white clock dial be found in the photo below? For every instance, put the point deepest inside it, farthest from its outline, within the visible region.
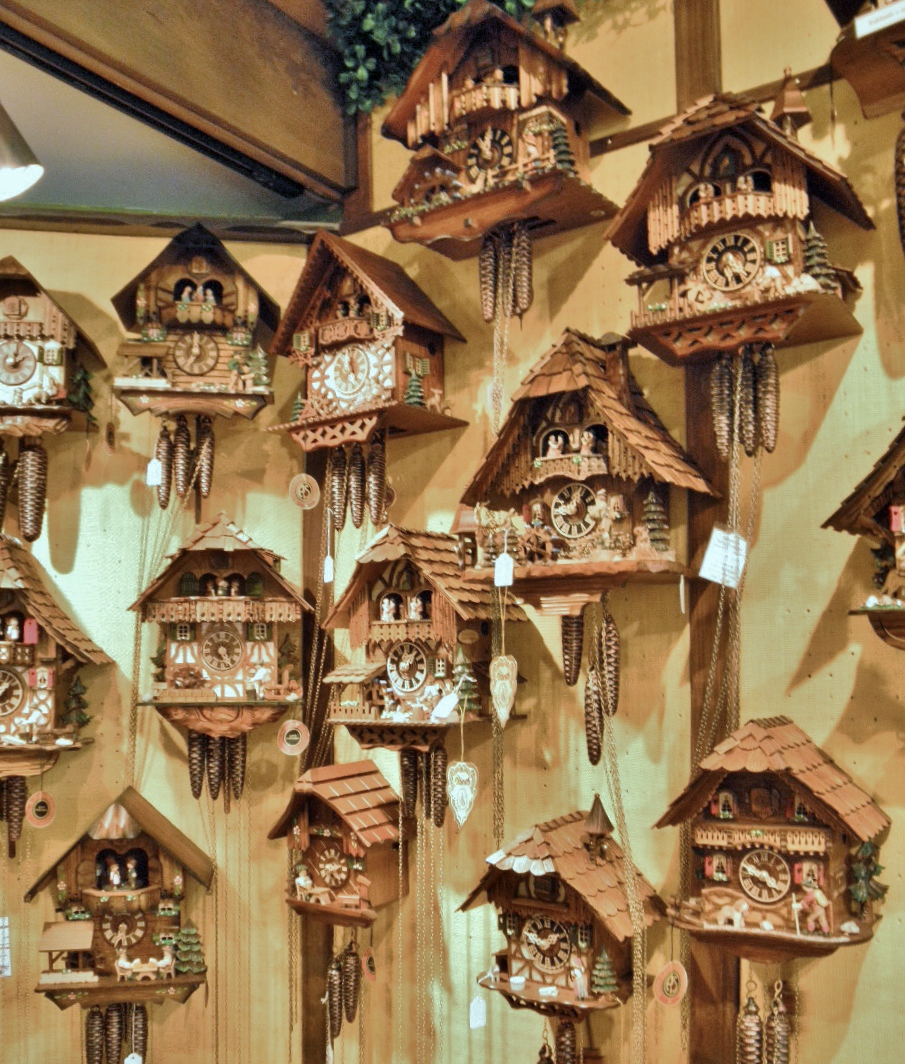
(353, 375)
(570, 511)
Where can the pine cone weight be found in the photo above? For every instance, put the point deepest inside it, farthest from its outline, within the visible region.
(356, 476)
(335, 997)
(6, 474)
(163, 452)
(182, 457)
(572, 631)
(216, 756)
(137, 1034)
(94, 1036)
(113, 1033)
(749, 1034)
(487, 275)
(377, 479)
(439, 763)
(351, 982)
(522, 269)
(338, 487)
(32, 490)
(237, 764)
(593, 716)
(747, 414)
(205, 456)
(197, 755)
(408, 771)
(566, 1043)
(610, 654)
(721, 403)
(766, 388)
(16, 799)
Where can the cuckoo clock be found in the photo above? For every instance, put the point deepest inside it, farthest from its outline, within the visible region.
(121, 940)
(577, 485)
(44, 386)
(342, 827)
(195, 320)
(876, 510)
(784, 848)
(229, 653)
(559, 889)
(498, 118)
(870, 52)
(721, 226)
(420, 632)
(372, 344)
(42, 706)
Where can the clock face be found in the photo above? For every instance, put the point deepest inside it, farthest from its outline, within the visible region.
(490, 151)
(406, 667)
(731, 261)
(196, 353)
(222, 650)
(546, 944)
(17, 362)
(764, 876)
(570, 511)
(12, 692)
(349, 370)
(332, 867)
(124, 929)
(354, 374)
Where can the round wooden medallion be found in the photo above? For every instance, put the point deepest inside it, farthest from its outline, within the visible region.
(304, 491)
(671, 984)
(39, 810)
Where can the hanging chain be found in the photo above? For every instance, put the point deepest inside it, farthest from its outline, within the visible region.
(498, 599)
(505, 240)
(315, 719)
(294, 932)
(400, 871)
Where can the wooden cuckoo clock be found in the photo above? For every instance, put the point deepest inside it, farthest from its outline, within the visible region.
(576, 487)
(876, 510)
(498, 117)
(560, 892)
(721, 225)
(784, 848)
(42, 703)
(121, 940)
(870, 52)
(372, 345)
(342, 825)
(195, 320)
(420, 631)
(229, 654)
(44, 386)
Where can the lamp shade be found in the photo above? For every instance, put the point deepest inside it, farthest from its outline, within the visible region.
(19, 169)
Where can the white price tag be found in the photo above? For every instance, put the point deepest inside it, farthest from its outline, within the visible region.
(154, 473)
(6, 967)
(477, 1013)
(724, 559)
(503, 569)
(133, 1058)
(328, 569)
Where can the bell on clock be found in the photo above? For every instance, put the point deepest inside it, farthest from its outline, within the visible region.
(122, 939)
(784, 848)
(196, 321)
(228, 658)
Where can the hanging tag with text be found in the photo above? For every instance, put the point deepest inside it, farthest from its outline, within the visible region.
(503, 569)
(724, 559)
(6, 966)
(133, 1058)
(154, 473)
(328, 569)
(477, 1013)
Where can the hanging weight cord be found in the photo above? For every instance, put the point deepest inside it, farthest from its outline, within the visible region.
(499, 602)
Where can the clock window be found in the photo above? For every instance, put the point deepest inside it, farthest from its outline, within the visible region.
(185, 633)
(188, 585)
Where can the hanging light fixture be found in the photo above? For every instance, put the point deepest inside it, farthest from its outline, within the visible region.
(19, 169)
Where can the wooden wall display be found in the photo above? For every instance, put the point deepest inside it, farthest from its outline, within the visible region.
(560, 892)
(229, 654)
(720, 224)
(785, 848)
(342, 828)
(498, 118)
(42, 708)
(45, 387)
(121, 940)
(196, 319)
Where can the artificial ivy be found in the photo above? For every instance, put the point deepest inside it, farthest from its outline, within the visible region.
(381, 43)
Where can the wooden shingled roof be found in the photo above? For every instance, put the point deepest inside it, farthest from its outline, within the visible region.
(858, 511)
(775, 744)
(578, 363)
(380, 277)
(558, 847)
(20, 572)
(675, 145)
(153, 823)
(358, 793)
(434, 555)
(451, 42)
(222, 534)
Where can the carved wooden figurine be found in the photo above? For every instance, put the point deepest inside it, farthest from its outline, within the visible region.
(229, 654)
(560, 892)
(577, 485)
(372, 346)
(342, 826)
(784, 848)
(44, 386)
(196, 320)
(498, 118)
(121, 941)
(42, 707)
(876, 510)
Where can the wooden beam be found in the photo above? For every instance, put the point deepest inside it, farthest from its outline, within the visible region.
(358, 206)
(699, 54)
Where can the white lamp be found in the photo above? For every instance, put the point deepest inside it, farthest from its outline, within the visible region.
(19, 169)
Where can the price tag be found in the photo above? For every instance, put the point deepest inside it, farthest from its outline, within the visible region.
(477, 1013)
(329, 571)
(724, 559)
(133, 1058)
(154, 473)
(6, 967)
(503, 569)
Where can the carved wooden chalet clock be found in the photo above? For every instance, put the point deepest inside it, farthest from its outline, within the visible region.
(784, 848)
(561, 897)
(576, 487)
(121, 940)
(498, 117)
(44, 386)
(196, 320)
(42, 707)
(372, 345)
(230, 645)
(342, 823)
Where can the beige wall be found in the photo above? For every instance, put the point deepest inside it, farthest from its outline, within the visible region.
(841, 404)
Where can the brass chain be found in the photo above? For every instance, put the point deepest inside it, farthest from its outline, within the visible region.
(294, 928)
(400, 1054)
(498, 603)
